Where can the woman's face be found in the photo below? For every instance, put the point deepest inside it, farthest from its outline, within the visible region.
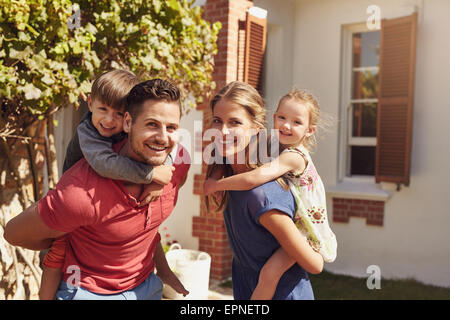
(236, 128)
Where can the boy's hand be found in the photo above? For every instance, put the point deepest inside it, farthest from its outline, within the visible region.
(151, 193)
(209, 186)
(162, 174)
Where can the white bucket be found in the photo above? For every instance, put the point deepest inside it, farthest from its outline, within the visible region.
(192, 268)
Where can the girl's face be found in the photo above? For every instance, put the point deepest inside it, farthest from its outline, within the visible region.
(235, 125)
(292, 121)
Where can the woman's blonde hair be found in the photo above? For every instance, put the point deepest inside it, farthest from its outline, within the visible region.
(316, 118)
(245, 95)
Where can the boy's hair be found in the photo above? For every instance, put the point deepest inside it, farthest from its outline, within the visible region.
(112, 87)
(155, 89)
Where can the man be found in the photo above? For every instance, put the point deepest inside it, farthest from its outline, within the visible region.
(113, 243)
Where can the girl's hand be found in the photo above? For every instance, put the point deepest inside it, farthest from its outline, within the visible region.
(162, 174)
(151, 193)
(209, 186)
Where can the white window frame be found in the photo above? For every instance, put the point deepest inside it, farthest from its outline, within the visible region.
(346, 140)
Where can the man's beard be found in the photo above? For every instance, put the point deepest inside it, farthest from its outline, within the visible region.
(153, 161)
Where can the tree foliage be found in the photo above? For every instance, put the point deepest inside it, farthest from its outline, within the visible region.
(51, 50)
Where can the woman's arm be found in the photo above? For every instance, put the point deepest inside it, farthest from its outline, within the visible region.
(292, 241)
(286, 162)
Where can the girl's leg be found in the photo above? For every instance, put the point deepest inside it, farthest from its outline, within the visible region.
(270, 274)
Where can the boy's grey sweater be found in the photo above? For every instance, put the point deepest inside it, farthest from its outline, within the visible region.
(98, 152)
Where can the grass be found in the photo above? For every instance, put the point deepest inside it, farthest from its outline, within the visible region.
(329, 286)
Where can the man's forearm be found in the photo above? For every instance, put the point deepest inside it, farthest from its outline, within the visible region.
(29, 231)
(36, 245)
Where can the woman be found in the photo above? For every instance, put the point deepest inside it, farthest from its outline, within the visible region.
(260, 220)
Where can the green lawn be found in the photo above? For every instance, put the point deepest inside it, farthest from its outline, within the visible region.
(329, 286)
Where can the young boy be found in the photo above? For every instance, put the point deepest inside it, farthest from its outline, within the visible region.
(99, 129)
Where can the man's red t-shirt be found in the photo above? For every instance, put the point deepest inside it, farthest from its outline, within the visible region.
(110, 239)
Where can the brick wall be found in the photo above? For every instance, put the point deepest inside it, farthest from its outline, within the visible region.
(209, 227)
(373, 211)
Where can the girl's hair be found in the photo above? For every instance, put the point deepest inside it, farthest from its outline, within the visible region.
(245, 95)
(315, 117)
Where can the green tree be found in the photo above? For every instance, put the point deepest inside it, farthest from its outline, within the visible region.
(50, 51)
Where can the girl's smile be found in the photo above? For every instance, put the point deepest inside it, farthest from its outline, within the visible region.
(292, 121)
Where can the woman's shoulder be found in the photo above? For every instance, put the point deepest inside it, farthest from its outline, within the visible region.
(270, 196)
(270, 192)
(268, 189)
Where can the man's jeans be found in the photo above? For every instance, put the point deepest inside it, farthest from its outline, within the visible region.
(150, 289)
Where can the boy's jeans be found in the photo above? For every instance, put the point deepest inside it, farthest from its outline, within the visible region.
(150, 289)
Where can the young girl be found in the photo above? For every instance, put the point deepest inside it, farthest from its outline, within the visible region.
(296, 120)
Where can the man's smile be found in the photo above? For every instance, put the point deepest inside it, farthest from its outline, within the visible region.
(154, 147)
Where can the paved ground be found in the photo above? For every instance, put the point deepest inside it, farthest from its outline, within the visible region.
(216, 292)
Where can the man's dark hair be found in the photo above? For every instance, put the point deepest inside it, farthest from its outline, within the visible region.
(155, 89)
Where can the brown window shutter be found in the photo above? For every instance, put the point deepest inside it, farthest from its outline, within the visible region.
(396, 92)
(255, 46)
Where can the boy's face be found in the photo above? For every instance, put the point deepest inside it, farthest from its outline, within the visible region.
(105, 119)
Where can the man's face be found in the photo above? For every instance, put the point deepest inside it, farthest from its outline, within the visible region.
(153, 133)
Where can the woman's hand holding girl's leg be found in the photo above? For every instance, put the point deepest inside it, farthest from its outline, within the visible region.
(270, 274)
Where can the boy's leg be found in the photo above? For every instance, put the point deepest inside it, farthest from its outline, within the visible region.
(270, 274)
(51, 278)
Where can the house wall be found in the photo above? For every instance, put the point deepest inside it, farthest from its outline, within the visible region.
(412, 241)
(179, 223)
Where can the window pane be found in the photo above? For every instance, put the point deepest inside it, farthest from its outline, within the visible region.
(363, 160)
(364, 120)
(365, 84)
(366, 49)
